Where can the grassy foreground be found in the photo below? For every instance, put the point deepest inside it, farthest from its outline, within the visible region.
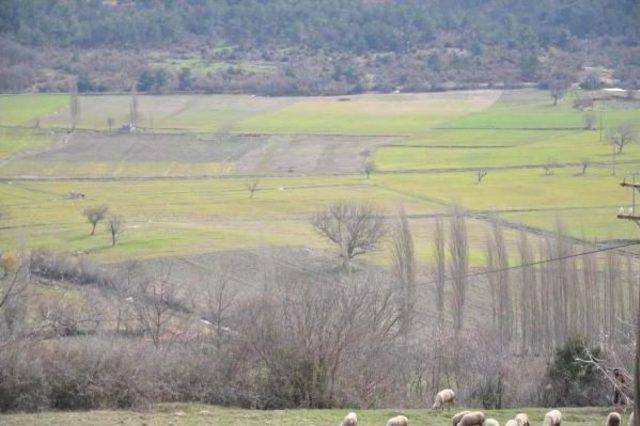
(194, 414)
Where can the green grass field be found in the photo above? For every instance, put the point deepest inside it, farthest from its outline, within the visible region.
(512, 134)
(193, 414)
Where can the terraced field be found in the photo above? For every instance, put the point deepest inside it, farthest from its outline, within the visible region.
(181, 182)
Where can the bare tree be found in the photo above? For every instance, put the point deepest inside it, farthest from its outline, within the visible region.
(369, 167)
(220, 297)
(252, 187)
(74, 105)
(558, 86)
(13, 287)
(355, 227)
(589, 121)
(622, 135)
(154, 299)
(459, 264)
(115, 225)
(94, 215)
(440, 262)
(110, 123)
(498, 260)
(134, 114)
(404, 263)
(481, 175)
(585, 163)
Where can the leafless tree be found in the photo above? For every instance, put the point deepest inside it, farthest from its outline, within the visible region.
(440, 264)
(134, 115)
(115, 226)
(481, 175)
(110, 123)
(14, 284)
(94, 215)
(459, 264)
(585, 163)
(252, 187)
(558, 86)
(155, 299)
(220, 297)
(589, 121)
(498, 261)
(622, 135)
(356, 228)
(74, 105)
(404, 264)
(369, 167)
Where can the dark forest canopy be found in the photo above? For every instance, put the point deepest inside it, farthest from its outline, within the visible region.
(355, 26)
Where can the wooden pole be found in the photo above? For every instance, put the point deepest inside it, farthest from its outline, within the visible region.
(636, 376)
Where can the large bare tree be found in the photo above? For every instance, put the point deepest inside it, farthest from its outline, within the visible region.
(356, 228)
(404, 264)
(622, 135)
(115, 225)
(459, 264)
(74, 105)
(94, 215)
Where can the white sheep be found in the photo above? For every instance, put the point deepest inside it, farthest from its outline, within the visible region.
(522, 419)
(456, 417)
(398, 421)
(613, 419)
(475, 418)
(552, 418)
(444, 397)
(511, 422)
(491, 422)
(350, 419)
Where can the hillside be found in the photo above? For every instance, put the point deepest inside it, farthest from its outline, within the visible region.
(314, 47)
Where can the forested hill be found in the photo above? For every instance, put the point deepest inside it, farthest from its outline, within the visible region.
(345, 25)
(490, 35)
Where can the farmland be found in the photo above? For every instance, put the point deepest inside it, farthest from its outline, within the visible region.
(181, 182)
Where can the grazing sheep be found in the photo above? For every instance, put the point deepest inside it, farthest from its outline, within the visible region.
(613, 419)
(552, 418)
(398, 421)
(522, 419)
(350, 419)
(456, 417)
(444, 397)
(511, 422)
(491, 422)
(475, 418)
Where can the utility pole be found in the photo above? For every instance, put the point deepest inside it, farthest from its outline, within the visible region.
(631, 215)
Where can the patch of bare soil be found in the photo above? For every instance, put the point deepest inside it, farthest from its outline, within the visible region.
(90, 146)
(312, 154)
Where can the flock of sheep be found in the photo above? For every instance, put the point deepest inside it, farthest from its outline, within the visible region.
(446, 398)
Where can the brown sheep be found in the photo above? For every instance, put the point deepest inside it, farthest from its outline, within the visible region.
(613, 419)
(456, 417)
(444, 397)
(553, 418)
(398, 421)
(522, 419)
(350, 419)
(475, 418)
